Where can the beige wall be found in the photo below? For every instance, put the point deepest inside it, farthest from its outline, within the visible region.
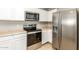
(45, 25)
(10, 26)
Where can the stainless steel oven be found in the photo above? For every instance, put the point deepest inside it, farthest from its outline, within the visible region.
(33, 40)
(34, 36)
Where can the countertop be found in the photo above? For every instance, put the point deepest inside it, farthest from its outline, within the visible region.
(5, 33)
(46, 30)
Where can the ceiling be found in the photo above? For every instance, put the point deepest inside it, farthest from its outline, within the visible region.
(47, 9)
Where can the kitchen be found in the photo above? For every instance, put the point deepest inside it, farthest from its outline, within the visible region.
(13, 36)
(29, 28)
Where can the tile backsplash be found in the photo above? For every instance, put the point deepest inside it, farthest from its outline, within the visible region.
(10, 26)
(45, 25)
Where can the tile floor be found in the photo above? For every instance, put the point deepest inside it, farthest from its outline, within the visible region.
(47, 46)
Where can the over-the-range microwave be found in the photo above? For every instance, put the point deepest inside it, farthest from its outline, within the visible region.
(30, 16)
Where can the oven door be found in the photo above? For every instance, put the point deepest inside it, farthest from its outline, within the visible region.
(34, 40)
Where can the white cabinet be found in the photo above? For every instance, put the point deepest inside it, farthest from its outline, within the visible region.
(50, 15)
(7, 43)
(16, 14)
(19, 14)
(4, 13)
(44, 37)
(12, 14)
(43, 16)
(21, 41)
(47, 36)
(13, 42)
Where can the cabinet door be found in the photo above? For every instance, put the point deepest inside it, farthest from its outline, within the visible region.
(11, 14)
(21, 41)
(50, 18)
(4, 13)
(44, 37)
(16, 14)
(13, 42)
(43, 16)
(7, 43)
(49, 36)
(19, 14)
(21, 44)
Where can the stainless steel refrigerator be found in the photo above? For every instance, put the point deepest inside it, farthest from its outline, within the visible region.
(65, 30)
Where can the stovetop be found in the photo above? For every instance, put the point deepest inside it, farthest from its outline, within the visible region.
(33, 30)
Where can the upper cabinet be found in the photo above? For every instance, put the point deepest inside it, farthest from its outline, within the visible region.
(50, 15)
(43, 15)
(18, 14)
(14, 14)
(4, 13)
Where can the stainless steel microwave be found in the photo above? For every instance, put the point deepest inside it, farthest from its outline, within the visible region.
(30, 16)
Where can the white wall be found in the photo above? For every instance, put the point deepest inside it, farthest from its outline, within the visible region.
(46, 31)
(45, 25)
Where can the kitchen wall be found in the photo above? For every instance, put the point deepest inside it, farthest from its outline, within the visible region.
(46, 30)
(13, 25)
(45, 26)
(10, 26)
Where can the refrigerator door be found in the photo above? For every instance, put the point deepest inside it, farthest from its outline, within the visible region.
(55, 30)
(69, 30)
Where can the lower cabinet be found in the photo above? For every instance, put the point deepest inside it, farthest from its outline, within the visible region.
(20, 45)
(20, 42)
(49, 36)
(13, 42)
(7, 43)
(46, 36)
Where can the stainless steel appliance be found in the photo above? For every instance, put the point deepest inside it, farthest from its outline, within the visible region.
(29, 27)
(34, 40)
(30, 16)
(65, 30)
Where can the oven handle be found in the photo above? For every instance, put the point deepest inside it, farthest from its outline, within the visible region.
(33, 32)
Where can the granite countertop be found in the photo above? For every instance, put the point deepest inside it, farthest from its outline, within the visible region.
(5, 33)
